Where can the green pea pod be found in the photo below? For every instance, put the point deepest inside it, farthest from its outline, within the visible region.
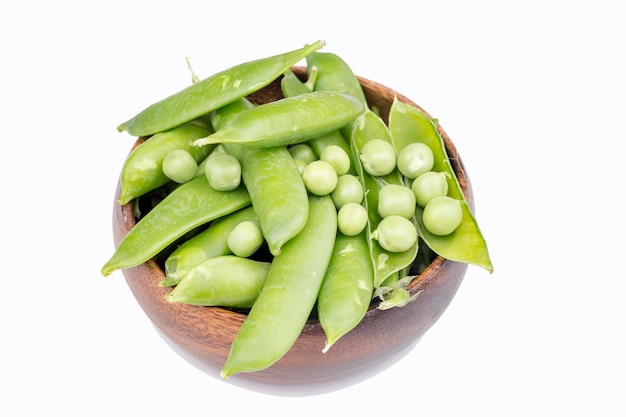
(466, 244)
(367, 127)
(334, 74)
(292, 86)
(189, 206)
(142, 170)
(288, 120)
(209, 243)
(213, 92)
(226, 281)
(347, 288)
(287, 299)
(273, 181)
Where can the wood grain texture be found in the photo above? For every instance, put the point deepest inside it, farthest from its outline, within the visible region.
(207, 332)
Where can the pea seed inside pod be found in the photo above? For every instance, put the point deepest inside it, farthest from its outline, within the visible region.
(415, 159)
(320, 178)
(378, 157)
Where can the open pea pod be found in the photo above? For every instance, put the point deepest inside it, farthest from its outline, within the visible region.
(366, 127)
(407, 125)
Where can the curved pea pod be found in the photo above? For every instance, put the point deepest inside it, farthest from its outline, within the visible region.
(276, 188)
(226, 281)
(189, 206)
(142, 171)
(334, 74)
(288, 120)
(466, 244)
(347, 289)
(367, 127)
(207, 244)
(287, 299)
(292, 86)
(213, 92)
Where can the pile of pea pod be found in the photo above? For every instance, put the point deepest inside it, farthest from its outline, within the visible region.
(281, 209)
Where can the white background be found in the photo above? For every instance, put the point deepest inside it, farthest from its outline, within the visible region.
(531, 92)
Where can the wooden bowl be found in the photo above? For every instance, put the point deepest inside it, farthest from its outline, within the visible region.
(207, 332)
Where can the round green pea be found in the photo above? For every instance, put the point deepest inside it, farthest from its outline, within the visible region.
(179, 166)
(415, 159)
(442, 215)
(348, 190)
(395, 233)
(223, 171)
(429, 185)
(245, 239)
(395, 199)
(320, 178)
(336, 157)
(303, 152)
(351, 219)
(378, 157)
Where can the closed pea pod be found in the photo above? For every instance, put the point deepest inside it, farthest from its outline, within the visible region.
(273, 181)
(189, 206)
(227, 281)
(213, 92)
(466, 244)
(142, 171)
(209, 243)
(287, 121)
(347, 289)
(288, 296)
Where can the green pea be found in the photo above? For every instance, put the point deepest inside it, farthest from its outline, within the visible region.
(347, 288)
(351, 219)
(179, 166)
(378, 157)
(223, 172)
(189, 206)
(207, 244)
(337, 158)
(226, 281)
(214, 92)
(442, 215)
(396, 199)
(348, 190)
(287, 121)
(429, 185)
(245, 239)
(396, 233)
(415, 159)
(303, 152)
(320, 178)
(289, 294)
(143, 169)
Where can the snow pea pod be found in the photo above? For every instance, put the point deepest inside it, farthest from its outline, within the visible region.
(347, 289)
(213, 92)
(189, 206)
(367, 127)
(279, 314)
(209, 243)
(288, 120)
(226, 281)
(466, 244)
(142, 171)
(273, 181)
